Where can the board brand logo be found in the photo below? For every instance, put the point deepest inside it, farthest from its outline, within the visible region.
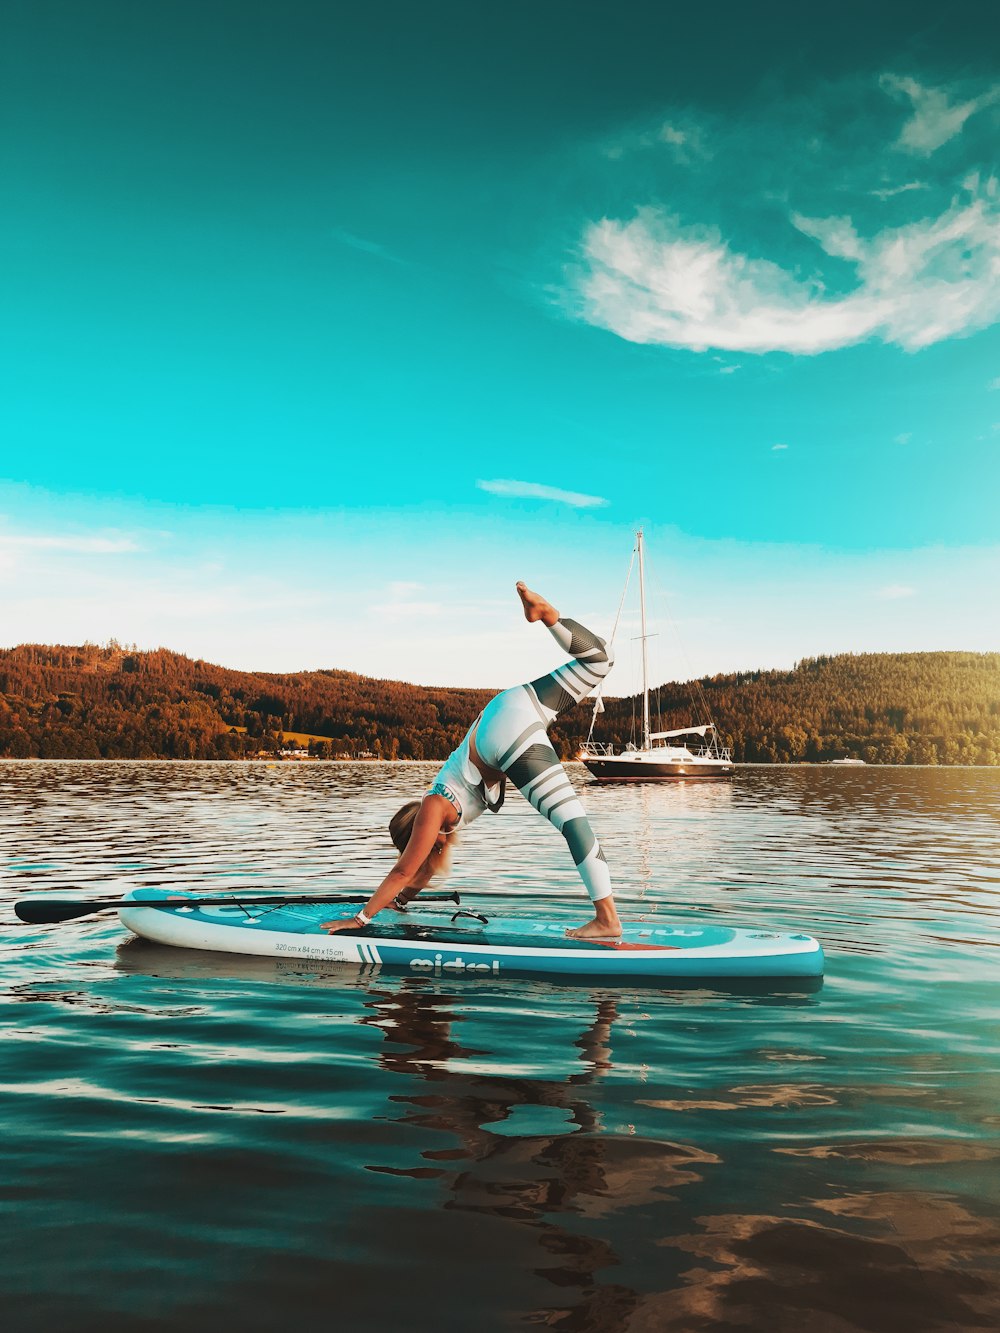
(436, 967)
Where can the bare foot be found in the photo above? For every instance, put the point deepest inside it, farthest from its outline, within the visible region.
(536, 607)
(597, 930)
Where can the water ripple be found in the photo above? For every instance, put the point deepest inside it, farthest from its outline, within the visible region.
(279, 1141)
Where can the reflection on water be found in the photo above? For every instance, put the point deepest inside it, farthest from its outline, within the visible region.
(558, 1189)
(293, 1144)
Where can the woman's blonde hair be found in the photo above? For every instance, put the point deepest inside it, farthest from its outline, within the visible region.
(400, 829)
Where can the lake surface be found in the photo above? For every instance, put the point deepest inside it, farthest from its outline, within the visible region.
(190, 1137)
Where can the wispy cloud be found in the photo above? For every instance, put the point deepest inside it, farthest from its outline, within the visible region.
(654, 280)
(670, 134)
(890, 192)
(682, 138)
(76, 545)
(692, 262)
(995, 384)
(894, 591)
(344, 237)
(530, 490)
(904, 437)
(402, 610)
(404, 604)
(687, 142)
(936, 118)
(775, 447)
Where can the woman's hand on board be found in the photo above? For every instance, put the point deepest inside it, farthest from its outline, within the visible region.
(341, 923)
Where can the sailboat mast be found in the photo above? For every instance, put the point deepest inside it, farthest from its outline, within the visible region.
(645, 666)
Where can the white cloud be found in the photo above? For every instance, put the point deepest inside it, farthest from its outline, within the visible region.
(904, 438)
(77, 545)
(344, 237)
(778, 446)
(529, 490)
(275, 608)
(403, 605)
(893, 591)
(654, 280)
(935, 119)
(836, 236)
(890, 192)
(684, 138)
(400, 610)
(665, 272)
(688, 145)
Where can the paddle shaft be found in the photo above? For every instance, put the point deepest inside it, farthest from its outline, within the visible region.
(48, 911)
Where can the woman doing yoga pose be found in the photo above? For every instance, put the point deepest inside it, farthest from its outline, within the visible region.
(509, 740)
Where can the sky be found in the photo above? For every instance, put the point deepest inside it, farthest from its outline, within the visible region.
(324, 324)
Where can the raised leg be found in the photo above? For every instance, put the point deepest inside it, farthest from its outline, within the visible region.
(512, 737)
(542, 780)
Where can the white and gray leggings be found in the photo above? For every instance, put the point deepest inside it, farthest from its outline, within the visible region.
(512, 736)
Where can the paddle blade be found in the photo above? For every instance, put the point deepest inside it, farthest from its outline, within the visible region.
(48, 911)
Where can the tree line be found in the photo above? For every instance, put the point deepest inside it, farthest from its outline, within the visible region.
(115, 702)
(885, 708)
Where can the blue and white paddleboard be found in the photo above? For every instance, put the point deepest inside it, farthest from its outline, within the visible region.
(428, 941)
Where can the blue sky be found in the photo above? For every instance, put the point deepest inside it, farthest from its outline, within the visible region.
(322, 326)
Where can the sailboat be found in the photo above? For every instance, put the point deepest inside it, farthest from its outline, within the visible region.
(663, 756)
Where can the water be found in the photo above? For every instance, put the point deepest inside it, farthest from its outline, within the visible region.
(189, 1137)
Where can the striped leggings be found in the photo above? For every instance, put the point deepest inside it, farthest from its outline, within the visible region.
(512, 736)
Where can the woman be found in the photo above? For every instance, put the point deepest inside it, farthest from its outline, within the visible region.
(509, 739)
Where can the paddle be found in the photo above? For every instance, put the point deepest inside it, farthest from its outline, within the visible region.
(49, 910)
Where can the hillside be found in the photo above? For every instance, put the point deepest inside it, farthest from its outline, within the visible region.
(94, 702)
(892, 708)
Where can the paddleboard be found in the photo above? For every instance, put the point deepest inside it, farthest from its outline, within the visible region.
(429, 941)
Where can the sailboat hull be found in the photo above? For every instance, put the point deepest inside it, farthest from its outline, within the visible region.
(621, 768)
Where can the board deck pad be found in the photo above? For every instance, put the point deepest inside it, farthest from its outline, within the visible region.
(451, 940)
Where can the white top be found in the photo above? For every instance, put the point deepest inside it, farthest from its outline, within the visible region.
(466, 787)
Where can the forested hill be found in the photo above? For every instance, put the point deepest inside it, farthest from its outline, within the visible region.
(112, 702)
(888, 708)
(116, 703)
